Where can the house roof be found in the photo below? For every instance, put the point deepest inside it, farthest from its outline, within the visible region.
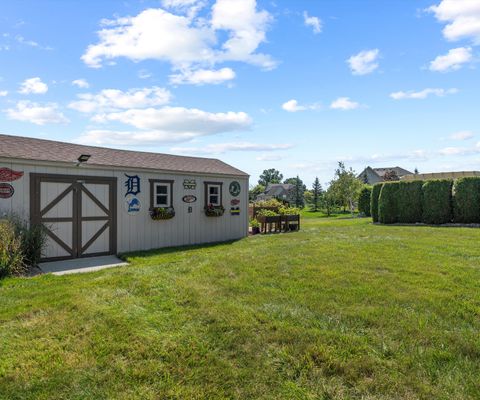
(276, 189)
(398, 170)
(49, 150)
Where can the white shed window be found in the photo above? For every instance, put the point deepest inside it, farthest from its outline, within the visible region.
(214, 194)
(161, 193)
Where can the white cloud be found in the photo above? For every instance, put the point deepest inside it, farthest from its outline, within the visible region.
(33, 85)
(188, 7)
(462, 18)
(422, 94)
(144, 74)
(180, 120)
(293, 106)
(462, 135)
(247, 30)
(179, 3)
(3, 93)
(364, 62)
(138, 38)
(270, 157)
(35, 113)
(187, 42)
(81, 83)
(165, 125)
(453, 60)
(344, 103)
(314, 22)
(203, 76)
(454, 151)
(220, 148)
(114, 99)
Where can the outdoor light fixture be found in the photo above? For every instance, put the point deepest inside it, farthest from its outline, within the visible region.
(82, 159)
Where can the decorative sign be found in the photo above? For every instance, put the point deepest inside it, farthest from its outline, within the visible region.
(132, 184)
(189, 198)
(189, 184)
(235, 211)
(132, 205)
(234, 188)
(6, 190)
(235, 202)
(8, 175)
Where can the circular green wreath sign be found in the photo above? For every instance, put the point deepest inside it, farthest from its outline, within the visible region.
(234, 188)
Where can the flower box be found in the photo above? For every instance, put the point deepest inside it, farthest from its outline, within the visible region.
(214, 211)
(161, 213)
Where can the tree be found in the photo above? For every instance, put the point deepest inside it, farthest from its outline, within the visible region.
(416, 171)
(270, 176)
(298, 190)
(390, 176)
(345, 187)
(316, 194)
(255, 191)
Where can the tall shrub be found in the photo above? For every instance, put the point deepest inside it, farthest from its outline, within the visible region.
(364, 201)
(437, 201)
(409, 202)
(387, 203)
(374, 201)
(33, 239)
(11, 257)
(466, 200)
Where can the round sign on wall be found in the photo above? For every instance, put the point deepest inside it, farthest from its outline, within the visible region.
(234, 188)
(6, 191)
(189, 198)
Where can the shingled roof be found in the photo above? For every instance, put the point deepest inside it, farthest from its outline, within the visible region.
(48, 150)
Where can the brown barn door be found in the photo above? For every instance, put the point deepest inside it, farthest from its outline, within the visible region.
(79, 213)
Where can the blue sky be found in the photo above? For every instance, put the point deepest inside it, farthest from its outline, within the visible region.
(295, 85)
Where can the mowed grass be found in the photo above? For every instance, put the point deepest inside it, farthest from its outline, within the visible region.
(341, 310)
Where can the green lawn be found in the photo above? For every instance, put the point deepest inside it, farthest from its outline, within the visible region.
(342, 310)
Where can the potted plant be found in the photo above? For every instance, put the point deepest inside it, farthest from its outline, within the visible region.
(159, 213)
(255, 226)
(214, 211)
(290, 218)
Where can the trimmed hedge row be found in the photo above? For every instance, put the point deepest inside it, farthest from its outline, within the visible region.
(431, 202)
(364, 201)
(437, 201)
(374, 201)
(466, 200)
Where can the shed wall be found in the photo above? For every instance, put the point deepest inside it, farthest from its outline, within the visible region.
(138, 231)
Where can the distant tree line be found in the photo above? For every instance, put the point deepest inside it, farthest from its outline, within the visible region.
(342, 193)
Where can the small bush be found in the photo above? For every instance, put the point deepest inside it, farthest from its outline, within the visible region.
(268, 203)
(374, 201)
(289, 211)
(364, 201)
(466, 200)
(437, 201)
(254, 223)
(266, 213)
(11, 256)
(387, 203)
(409, 202)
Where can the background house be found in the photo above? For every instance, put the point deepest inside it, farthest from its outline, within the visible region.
(375, 175)
(280, 191)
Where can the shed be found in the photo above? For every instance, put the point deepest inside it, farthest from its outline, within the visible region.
(99, 201)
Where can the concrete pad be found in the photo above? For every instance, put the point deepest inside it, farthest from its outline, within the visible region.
(87, 264)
